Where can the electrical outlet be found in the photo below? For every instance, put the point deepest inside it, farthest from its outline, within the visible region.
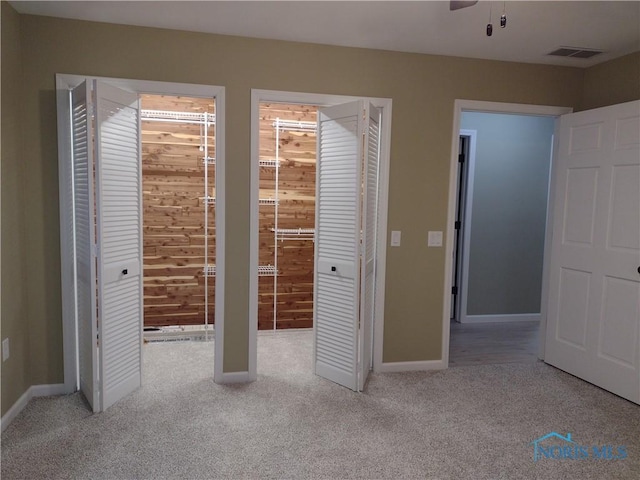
(5, 349)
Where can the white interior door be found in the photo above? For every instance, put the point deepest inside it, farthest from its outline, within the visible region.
(593, 328)
(119, 227)
(343, 320)
(84, 239)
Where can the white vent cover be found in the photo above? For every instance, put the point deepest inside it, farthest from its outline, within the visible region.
(575, 52)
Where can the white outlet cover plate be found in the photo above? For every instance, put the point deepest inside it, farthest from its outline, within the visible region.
(435, 239)
(395, 238)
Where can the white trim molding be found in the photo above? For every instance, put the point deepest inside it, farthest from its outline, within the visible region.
(235, 377)
(514, 317)
(32, 391)
(419, 366)
(487, 107)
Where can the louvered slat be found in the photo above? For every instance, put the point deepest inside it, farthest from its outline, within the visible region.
(337, 244)
(84, 220)
(369, 227)
(120, 242)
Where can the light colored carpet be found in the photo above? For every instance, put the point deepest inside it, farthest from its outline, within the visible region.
(472, 422)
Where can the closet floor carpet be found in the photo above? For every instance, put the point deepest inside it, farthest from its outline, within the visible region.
(474, 422)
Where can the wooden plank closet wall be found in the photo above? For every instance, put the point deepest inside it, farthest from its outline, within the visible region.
(174, 204)
(296, 210)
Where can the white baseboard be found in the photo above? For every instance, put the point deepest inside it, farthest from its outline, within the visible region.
(392, 367)
(235, 377)
(48, 390)
(32, 391)
(516, 317)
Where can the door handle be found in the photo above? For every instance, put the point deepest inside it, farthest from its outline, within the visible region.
(333, 269)
(125, 271)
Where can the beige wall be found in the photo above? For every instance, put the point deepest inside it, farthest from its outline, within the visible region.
(15, 371)
(615, 81)
(422, 87)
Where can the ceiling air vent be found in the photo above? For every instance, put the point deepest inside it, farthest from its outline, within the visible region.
(575, 52)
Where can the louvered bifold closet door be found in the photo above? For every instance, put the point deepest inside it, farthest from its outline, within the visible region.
(369, 228)
(84, 238)
(120, 247)
(337, 269)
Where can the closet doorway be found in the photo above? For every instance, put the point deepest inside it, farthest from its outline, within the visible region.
(92, 112)
(287, 203)
(178, 156)
(284, 239)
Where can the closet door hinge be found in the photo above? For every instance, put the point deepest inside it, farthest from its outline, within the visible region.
(454, 290)
(457, 225)
(461, 158)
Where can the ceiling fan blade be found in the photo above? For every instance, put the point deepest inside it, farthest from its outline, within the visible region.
(457, 5)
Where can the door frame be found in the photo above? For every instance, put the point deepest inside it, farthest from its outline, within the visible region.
(64, 82)
(459, 106)
(465, 238)
(385, 104)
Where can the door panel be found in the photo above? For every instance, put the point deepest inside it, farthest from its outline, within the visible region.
(369, 228)
(346, 227)
(593, 328)
(120, 246)
(338, 186)
(84, 238)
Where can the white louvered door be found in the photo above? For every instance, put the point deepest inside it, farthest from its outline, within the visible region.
(593, 320)
(84, 239)
(342, 340)
(368, 252)
(118, 195)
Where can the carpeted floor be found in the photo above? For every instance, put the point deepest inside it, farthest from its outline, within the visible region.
(472, 422)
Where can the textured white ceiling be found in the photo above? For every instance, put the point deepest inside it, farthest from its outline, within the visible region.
(533, 28)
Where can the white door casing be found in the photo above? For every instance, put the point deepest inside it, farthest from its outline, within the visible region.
(84, 240)
(593, 328)
(344, 265)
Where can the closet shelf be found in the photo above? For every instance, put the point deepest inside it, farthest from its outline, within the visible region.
(179, 117)
(293, 125)
(294, 233)
(266, 270)
(269, 163)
